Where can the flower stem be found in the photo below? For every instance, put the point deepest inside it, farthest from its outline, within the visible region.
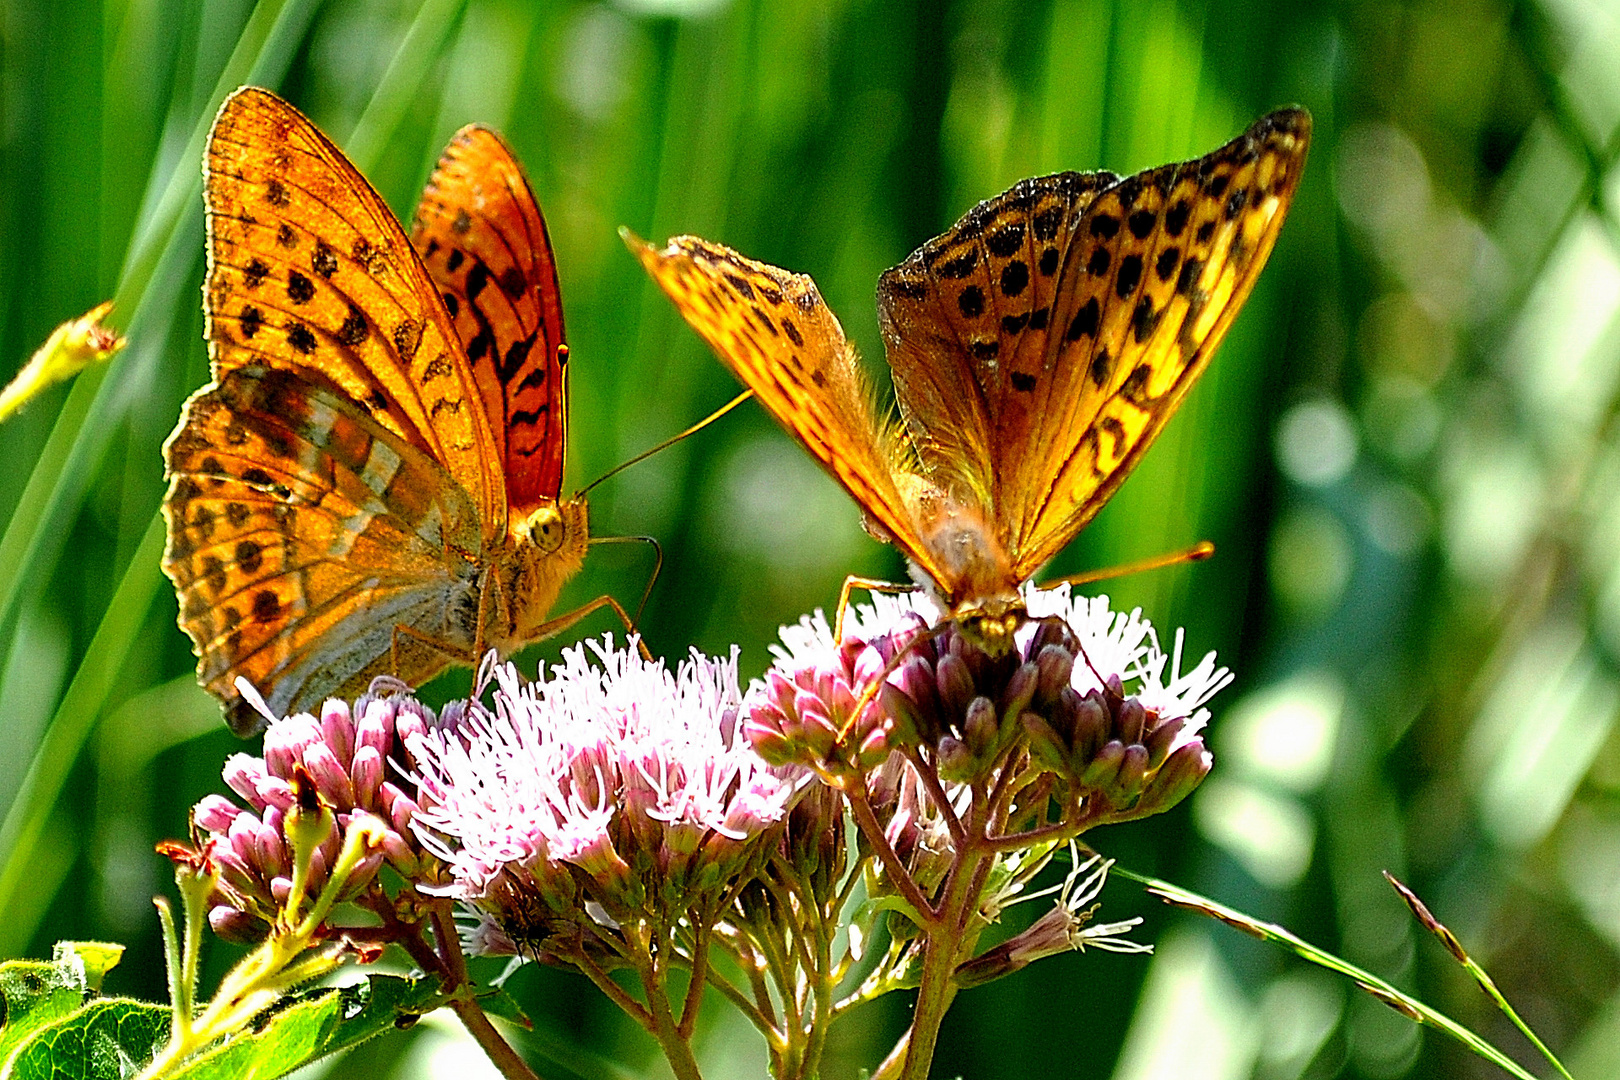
(659, 1018)
(867, 822)
(946, 942)
(483, 1030)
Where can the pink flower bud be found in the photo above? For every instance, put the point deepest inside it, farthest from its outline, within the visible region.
(366, 772)
(215, 813)
(337, 730)
(331, 778)
(375, 728)
(244, 774)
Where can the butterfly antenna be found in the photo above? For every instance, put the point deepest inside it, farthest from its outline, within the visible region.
(1197, 553)
(658, 563)
(671, 441)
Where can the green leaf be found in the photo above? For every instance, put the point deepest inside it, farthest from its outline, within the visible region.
(36, 993)
(108, 1039)
(495, 1001)
(93, 958)
(313, 1024)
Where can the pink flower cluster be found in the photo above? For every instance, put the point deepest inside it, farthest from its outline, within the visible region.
(607, 791)
(1083, 687)
(345, 753)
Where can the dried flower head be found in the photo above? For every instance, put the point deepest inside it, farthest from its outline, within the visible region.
(1067, 927)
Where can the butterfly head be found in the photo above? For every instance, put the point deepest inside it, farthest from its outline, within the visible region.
(546, 548)
(990, 624)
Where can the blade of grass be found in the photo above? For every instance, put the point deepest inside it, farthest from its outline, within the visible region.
(33, 537)
(75, 717)
(1402, 1003)
(417, 54)
(26, 821)
(1424, 916)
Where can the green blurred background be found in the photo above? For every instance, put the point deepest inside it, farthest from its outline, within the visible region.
(1407, 454)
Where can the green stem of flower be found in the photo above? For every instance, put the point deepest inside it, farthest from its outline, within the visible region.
(935, 990)
(949, 940)
(450, 966)
(748, 1007)
(823, 985)
(660, 1022)
(358, 842)
(179, 1001)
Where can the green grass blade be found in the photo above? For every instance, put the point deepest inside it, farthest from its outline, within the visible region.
(25, 822)
(1402, 1003)
(162, 246)
(423, 44)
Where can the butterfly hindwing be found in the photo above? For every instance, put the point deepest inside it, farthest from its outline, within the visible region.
(481, 235)
(309, 271)
(964, 323)
(300, 532)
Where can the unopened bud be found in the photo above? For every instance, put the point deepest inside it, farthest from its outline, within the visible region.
(955, 683)
(980, 727)
(956, 761)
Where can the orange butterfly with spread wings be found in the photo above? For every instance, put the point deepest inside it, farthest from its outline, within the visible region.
(372, 482)
(1037, 348)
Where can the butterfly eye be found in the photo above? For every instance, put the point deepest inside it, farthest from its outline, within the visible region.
(545, 529)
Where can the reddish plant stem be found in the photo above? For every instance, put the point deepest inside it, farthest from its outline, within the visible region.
(861, 809)
(942, 802)
(448, 964)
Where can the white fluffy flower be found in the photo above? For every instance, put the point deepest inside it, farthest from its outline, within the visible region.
(611, 765)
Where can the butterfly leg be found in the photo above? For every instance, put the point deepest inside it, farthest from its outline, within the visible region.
(489, 583)
(875, 585)
(562, 622)
(870, 694)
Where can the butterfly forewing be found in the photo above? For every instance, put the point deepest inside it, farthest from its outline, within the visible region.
(777, 335)
(1179, 248)
(480, 232)
(308, 270)
(338, 502)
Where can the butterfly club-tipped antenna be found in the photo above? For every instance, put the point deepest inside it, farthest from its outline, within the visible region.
(658, 551)
(667, 443)
(1197, 553)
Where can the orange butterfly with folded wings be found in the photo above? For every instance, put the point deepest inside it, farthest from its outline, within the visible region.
(1037, 349)
(372, 482)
